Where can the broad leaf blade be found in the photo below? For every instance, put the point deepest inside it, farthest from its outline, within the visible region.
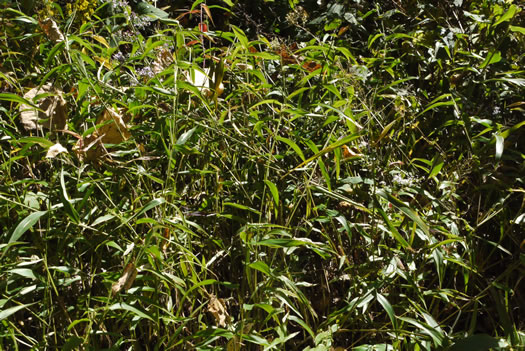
(25, 224)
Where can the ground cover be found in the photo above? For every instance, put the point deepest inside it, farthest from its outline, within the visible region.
(205, 176)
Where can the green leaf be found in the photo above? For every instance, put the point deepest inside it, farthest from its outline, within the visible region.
(284, 242)
(347, 54)
(434, 104)
(261, 267)
(405, 209)
(239, 34)
(302, 324)
(144, 8)
(292, 144)
(124, 306)
(273, 191)
(343, 115)
(43, 142)
(388, 308)
(393, 230)
(437, 164)
(25, 224)
(492, 57)
(507, 15)
(16, 98)
(153, 203)
(322, 165)
(434, 334)
(385, 131)
(7, 312)
(102, 219)
(329, 148)
(73, 343)
(241, 207)
(517, 29)
(24, 272)
(185, 136)
(68, 205)
(478, 342)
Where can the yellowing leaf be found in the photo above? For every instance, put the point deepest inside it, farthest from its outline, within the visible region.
(101, 40)
(104, 61)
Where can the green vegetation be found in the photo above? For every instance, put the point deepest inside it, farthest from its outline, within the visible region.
(342, 176)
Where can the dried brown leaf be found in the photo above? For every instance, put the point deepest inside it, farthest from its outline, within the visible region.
(163, 60)
(54, 109)
(113, 130)
(217, 307)
(51, 30)
(126, 280)
(208, 12)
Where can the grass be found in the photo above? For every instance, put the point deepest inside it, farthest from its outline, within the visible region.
(359, 194)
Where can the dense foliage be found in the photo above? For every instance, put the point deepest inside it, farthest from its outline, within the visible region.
(299, 175)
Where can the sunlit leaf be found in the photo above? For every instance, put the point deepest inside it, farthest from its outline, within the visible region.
(262, 267)
(508, 15)
(499, 147)
(492, 57)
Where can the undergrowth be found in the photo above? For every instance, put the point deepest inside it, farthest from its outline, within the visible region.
(170, 185)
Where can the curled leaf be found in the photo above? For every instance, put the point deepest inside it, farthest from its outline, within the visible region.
(499, 146)
(218, 309)
(54, 150)
(53, 109)
(126, 280)
(50, 28)
(202, 81)
(112, 128)
(163, 60)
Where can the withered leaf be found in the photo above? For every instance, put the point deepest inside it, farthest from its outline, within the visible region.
(54, 150)
(54, 109)
(126, 280)
(51, 30)
(218, 309)
(113, 130)
(163, 60)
